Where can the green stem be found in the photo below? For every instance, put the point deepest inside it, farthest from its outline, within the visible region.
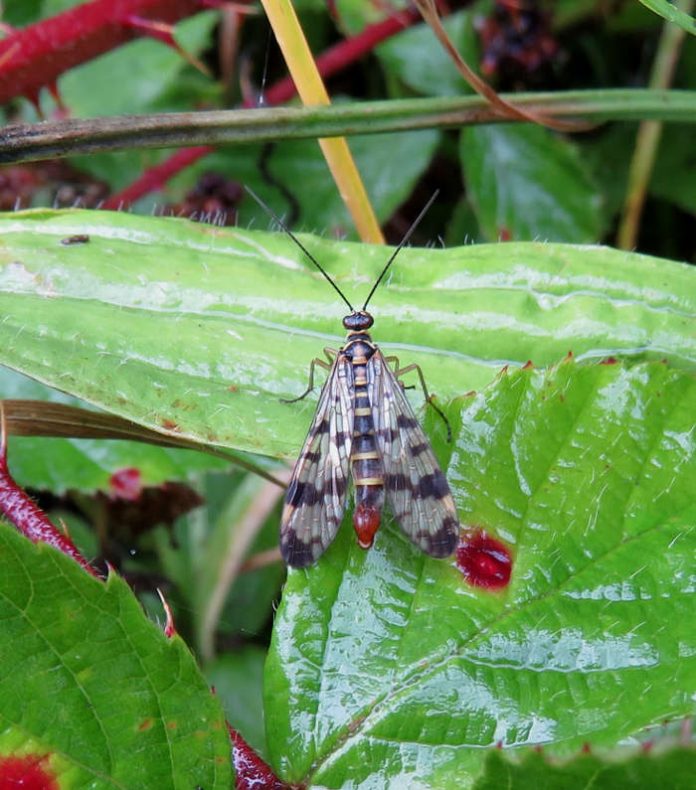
(650, 132)
(35, 142)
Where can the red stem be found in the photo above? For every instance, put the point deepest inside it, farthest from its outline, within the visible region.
(329, 63)
(19, 508)
(155, 177)
(250, 770)
(35, 56)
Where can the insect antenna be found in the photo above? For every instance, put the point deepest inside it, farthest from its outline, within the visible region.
(280, 222)
(402, 243)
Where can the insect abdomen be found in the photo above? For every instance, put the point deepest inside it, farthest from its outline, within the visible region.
(366, 467)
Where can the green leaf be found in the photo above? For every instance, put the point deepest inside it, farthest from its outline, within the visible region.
(160, 69)
(199, 331)
(608, 155)
(89, 681)
(390, 166)
(232, 531)
(159, 66)
(21, 12)
(628, 770)
(209, 547)
(388, 664)
(668, 11)
(416, 58)
(527, 183)
(238, 682)
(671, 179)
(88, 464)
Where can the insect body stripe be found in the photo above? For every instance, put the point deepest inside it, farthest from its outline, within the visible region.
(366, 466)
(362, 456)
(364, 425)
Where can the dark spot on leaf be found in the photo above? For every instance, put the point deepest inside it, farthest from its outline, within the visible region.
(170, 425)
(527, 365)
(29, 772)
(609, 361)
(233, 388)
(126, 484)
(484, 561)
(145, 724)
(504, 234)
(78, 238)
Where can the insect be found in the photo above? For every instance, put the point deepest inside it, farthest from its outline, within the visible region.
(364, 428)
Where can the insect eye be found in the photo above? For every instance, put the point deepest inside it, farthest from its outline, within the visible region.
(358, 321)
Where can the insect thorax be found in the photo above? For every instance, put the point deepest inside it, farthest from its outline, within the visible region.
(358, 345)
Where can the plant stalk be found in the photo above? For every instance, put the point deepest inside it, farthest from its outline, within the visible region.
(36, 142)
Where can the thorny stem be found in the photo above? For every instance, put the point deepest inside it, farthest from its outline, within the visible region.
(650, 132)
(21, 511)
(35, 56)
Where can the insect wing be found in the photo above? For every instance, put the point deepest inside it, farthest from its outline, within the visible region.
(316, 496)
(416, 488)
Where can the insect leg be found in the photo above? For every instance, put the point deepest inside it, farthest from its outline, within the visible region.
(331, 354)
(399, 371)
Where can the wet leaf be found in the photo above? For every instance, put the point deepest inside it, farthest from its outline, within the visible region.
(237, 678)
(416, 58)
(628, 769)
(159, 67)
(85, 464)
(197, 331)
(389, 165)
(89, 681)
(527, 183)
(387, 667)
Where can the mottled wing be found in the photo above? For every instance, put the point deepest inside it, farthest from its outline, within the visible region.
(316, 496)
(416, 488)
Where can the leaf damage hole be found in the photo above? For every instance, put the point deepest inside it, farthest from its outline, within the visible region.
(484, 561)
